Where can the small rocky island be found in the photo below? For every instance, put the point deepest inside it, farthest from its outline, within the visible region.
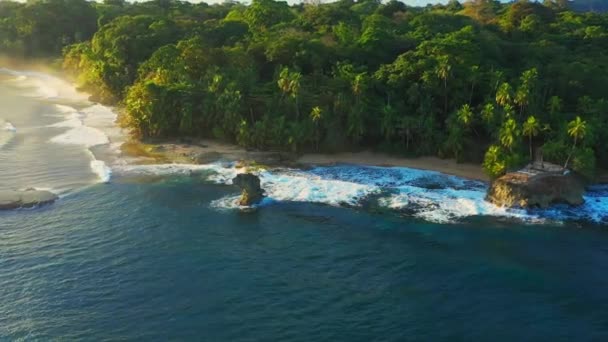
(250, 185)
(537, 185)
(13, 199)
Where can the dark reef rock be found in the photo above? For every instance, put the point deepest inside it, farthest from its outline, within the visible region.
(29, 198)
(525, 190)
(250, 185)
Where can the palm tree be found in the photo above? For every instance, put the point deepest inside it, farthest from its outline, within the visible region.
(554, 104)
(577, 129)
(531, 128)
(503, 95)
(487, 113)
(295, 90)
(522, 98)
(474, 77)
(316, 114)
(284, 81)
(465, 115)
(443, 71)
(508, 133)
(289, 83)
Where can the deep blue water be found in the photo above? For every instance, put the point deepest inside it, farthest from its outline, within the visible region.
(334, 254)
(153, 261)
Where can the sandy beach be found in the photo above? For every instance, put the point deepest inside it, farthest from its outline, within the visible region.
(207, 151)
(448, 166)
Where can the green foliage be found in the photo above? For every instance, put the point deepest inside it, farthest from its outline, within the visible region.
(577, 129)
(494, 163)
(531, 128)
(440, 80)
(584, 162)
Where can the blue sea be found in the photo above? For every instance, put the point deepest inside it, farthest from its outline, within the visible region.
(345, 253)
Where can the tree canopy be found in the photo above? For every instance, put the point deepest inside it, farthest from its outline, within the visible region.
(478, 81)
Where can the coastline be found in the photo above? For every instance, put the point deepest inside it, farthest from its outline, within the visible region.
(369, 158)
(203, 151)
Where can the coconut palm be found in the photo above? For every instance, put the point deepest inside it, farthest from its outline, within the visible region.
(443, 71)
(508, 133)
(577, 129)
(289, 83)
(465, 115)
(504, 94)
(316, 114)
(522, 98)
(554, 104)
(487, 114)
(531, 128)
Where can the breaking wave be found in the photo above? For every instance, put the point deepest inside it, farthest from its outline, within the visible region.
(41, 85)
(82, 135)
(9, 127)
(90, 126)
(428, 195)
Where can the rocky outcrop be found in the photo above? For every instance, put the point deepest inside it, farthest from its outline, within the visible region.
(29, 198)
(250, 185)
(525, 190)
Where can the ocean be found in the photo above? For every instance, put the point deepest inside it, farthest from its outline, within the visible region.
(342, 253)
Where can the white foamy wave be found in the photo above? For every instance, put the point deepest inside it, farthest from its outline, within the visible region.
(100, 168)
(446, 205)
(425, 194)
(100, 116)
(232, 202)
(217, 173)
(73, 120)
(103, 172)
(65, 109)
(43, 85)
(9, 127)
(83, 136)
(301, 186)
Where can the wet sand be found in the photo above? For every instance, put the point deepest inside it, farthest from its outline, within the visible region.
(207, 151)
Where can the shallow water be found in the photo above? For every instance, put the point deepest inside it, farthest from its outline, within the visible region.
(157, 252)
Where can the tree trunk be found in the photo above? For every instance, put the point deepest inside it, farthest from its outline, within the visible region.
(530, 141)
(445, 96)
(471, 95)
(570, 154)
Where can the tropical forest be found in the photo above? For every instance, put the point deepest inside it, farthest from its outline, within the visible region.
(480, 81)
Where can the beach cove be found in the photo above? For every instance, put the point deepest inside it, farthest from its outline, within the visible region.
(138, 249)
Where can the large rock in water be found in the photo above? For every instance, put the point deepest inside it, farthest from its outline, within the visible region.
(29, 198)
(525, 190)
(252, 191)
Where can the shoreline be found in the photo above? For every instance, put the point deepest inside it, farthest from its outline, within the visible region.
(204, 151)
(369, 158)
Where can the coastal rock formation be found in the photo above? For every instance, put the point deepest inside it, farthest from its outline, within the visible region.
(525, 189)
(25, 199)
(250, 185)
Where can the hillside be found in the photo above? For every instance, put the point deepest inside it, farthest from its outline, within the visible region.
(482, 82)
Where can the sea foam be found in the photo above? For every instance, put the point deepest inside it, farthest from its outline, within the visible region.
(9, 127)
(82, 135)
(103, 172)
(41, 85)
